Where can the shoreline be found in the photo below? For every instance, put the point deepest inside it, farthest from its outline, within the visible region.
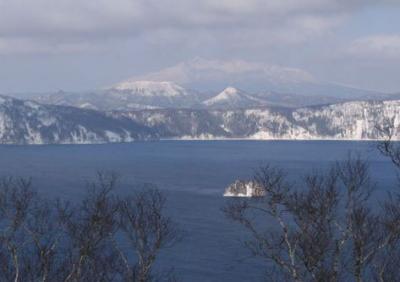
(194, 140)
(272, 139)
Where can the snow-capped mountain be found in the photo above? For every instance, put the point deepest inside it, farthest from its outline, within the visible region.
(152, 94)
(254, 77)
(172, 87)
(233, 98)
(205, 73)
(27, 122)
(127, 95)
(137, 95)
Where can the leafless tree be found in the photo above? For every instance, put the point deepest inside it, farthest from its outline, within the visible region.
(30, 234)
(387, 146)
(90, 228)
(322, 229)
(15, 200)
(42, 240)
(44, 257)
(147, 229)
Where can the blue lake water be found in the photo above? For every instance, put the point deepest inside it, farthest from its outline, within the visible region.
(193, 174)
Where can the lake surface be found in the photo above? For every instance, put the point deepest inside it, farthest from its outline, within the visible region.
(194, 175)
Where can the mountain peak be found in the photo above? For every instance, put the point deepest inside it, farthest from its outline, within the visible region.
(230, 97)
(207, 74)
(231, 90)
(230, 93)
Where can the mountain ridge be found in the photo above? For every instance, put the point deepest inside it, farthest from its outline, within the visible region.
(136, 95)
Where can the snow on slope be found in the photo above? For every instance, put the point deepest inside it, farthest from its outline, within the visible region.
(151, 88)
(344, 121)
(27, 122)
(129, 95)
(254, 76)
(217, 72)
(150, 94)
(350, 120)
(231, 97)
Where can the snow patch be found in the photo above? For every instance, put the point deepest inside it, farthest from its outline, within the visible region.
(152, 88)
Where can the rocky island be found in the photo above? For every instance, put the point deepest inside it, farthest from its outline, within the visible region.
(242, 188)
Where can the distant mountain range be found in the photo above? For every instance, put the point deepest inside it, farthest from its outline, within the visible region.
(201, 99)
(137, 95)
(149, 109)
(253, 77)
(126, 96)
(214, 84)
(29, 122)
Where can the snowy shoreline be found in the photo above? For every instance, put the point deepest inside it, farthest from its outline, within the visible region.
(271, 139)
(193, 140)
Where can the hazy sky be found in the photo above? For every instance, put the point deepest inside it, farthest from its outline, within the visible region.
(47, 45)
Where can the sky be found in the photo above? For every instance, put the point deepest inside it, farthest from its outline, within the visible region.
(75, 45)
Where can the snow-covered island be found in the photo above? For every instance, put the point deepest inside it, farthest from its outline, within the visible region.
(242, 188)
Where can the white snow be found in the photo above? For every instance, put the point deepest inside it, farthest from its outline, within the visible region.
(87, 105)
(38, 124)
(250, 190)
(152, 88)
(112, 136)
(231, 96)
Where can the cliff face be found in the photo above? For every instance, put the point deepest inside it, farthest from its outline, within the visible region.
(344, 121)
(27, 122)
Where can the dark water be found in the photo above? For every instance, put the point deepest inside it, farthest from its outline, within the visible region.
(194, 175)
